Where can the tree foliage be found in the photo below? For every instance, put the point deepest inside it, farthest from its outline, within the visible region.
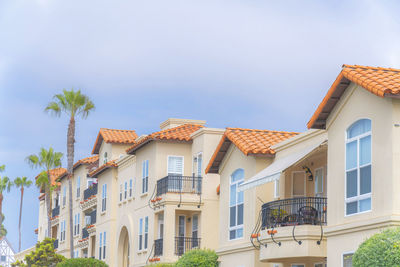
(82, 262)
(43, 255)
(198, 258)
(382, 249)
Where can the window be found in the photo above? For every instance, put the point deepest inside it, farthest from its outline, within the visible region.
(276, 188)
(3, 258)
(140, 233)
(145, 176)
(62, 231)
(236, 205)
(78, 187)
(358, 167)
(195, 231)
(90, 181)
(175, 165)
(120, 192)
(100, 244)
(297, 265)
(76, 253)
(197, 164)
(146, 231)
(319, 182)
(348, 260)
(104, 198)
(105, 159)
(130, 187)
(104, 245)
(64, 198)
(320, 265)
(126, 190)
(77, 223)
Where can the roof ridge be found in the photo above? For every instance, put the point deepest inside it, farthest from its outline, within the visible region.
(369, 67)
(123, 130)
(259, 130)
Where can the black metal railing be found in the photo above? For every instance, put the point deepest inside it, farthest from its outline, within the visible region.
(183, 244)
(85, 233)
(55, 243)
(179, 184)
(294, 211)
(92, 190)
(55, 212)
(158, 247)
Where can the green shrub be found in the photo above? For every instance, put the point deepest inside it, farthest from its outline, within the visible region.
(198, 258)
(381, 249)
(161, 265)
(82, 262)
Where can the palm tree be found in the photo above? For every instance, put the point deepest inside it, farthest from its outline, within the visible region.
(46, 160)
(5, 185)
(22, 183)
(72, 103)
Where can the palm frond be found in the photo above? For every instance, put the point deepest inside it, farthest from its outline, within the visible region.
(2, 168)
(53, 108)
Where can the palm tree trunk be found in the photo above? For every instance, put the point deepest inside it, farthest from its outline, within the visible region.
(48, 204)
(20, 216)
(1, 203)
(70, 156)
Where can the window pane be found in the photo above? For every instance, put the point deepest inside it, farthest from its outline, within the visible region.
(351, 155)
(347, 260)
(365, 180)
(365, 150)
(239, 233)
(232, 234)
(358, 128)
(233, 195)
(365, 204)
(351, 184)
(240, 214)
(240, 196)
(237, 175)
(351, 207)
(232, 219)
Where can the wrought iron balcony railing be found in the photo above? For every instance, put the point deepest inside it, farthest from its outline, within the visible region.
(55, 212)
(179, 184)
(55, 244)
(183, 244)
(294, 211)
(158, 247)
(92, 190)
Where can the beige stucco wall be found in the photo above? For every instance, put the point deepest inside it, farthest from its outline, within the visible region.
(240, 252)
(345, 233)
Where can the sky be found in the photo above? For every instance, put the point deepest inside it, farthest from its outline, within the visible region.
(236, 63)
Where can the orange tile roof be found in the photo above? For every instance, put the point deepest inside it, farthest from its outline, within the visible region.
(114, 136)
(88, 161)
(179, 133)
(379, 81)
(109, 164)
(249, 141)
(54, 175)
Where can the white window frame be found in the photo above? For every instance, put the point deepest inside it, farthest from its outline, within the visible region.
(359, 197)
(104, 198)
(277, 188)
(322, 181)
(78, 187)
(145, 176)
(345, 253)
(183, 164)
(240, 226)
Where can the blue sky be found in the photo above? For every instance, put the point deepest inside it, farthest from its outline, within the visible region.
(251, 63)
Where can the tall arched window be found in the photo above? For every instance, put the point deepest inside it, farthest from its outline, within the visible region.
(236, 205)
(358, 167)
(105, 157)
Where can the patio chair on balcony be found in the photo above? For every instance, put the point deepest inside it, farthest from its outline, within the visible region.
(308, 215)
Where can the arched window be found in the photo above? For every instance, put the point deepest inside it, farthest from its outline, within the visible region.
(105, 157)
(236, 205)
(358, 167)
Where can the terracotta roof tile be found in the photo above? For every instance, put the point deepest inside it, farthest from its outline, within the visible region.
(379, 81)
(88, 161)
(109, 164)
(179, 133)
(114, 136)
(54, 175)
(249, 141)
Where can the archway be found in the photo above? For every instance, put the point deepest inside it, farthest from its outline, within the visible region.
(123, 248)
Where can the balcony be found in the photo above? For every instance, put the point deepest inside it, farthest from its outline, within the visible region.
(179, 184)
(89, 197)
(84, 242)
(55, 212)
(55, 244)
(292, 228)
(90, 221)
(158, 247)
(183, 244)
(294, 211)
